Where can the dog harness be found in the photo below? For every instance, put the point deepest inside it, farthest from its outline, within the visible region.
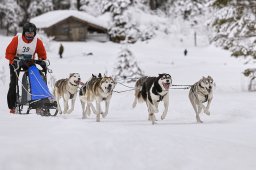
(161, 97)
(71, 96)
(206, 96)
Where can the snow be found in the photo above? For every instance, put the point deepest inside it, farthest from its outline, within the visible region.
(50, 18)
(125, 139)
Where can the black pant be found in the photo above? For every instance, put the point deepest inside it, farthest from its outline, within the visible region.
(11, 96)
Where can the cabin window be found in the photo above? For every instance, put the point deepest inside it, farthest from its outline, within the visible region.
(65, 30)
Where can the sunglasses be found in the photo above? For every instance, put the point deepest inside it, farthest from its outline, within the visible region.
(29, 34)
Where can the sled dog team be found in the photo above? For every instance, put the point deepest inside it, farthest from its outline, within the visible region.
(151, 90)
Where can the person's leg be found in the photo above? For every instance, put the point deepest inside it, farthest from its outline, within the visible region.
(11, 96)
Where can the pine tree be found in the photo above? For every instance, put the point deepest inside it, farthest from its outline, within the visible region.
(127, 68)
(61, 4)
(92, 7)
(24, 5)
(73, 5)
(188, 10)
(11, 16)
(39, 7)
(122, 28)
(234, 26)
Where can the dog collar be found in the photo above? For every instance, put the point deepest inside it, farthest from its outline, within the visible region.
(201, 86)
(72, 84)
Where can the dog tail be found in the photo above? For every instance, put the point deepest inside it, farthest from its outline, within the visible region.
(53, 91)
(138, 94)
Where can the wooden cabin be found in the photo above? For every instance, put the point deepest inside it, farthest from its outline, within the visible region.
(70, 25)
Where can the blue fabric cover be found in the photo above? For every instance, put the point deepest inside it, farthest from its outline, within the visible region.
(38, 87)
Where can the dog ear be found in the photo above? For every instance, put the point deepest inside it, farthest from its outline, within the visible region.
(71, 74)
(100, 76)
(209, 77)
(113, 79)
(93, 76)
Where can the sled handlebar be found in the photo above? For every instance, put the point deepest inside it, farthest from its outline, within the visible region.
(21, 62)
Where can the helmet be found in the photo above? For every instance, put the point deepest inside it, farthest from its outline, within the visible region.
(29, 27)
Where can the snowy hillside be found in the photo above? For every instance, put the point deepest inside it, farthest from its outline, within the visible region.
(125, 139)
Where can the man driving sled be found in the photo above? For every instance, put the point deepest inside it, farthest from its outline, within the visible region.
(25, 44)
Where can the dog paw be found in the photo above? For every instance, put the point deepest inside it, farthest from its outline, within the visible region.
(88, 114)
(134, 105)
(162, 117)
(199, 121)
(154, 122)
(104, 115)
(70, 110)
(98, 118)
(207, 112)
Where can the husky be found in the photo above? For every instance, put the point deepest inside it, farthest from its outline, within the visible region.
(98, 88)
(199, 93)
(67, 89)
(153, 90)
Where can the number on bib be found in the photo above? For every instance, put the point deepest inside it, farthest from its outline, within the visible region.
(25, 49)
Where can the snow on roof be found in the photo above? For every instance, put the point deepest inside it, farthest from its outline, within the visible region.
(50, 18)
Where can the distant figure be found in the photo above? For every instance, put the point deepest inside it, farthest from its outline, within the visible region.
(185, 52)
(61, 49)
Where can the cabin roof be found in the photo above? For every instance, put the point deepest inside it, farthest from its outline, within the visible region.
(51, 18)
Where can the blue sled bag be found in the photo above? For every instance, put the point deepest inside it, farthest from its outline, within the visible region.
(38, 87)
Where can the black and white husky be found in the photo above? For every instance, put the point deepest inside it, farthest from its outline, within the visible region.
(153, 90)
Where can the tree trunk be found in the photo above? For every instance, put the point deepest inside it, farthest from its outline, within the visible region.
(78, 4)
(24, 4)
(152, 4)
(195, 39)
(7, 29)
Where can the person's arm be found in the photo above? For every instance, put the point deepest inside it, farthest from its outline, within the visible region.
(40, 50)
(11, 49)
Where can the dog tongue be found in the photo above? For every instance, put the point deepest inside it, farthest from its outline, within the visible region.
(77, 82)
(166, 85)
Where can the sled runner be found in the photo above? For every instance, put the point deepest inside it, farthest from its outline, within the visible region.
(32, 91)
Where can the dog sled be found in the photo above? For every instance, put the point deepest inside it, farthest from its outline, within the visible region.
(32, 91)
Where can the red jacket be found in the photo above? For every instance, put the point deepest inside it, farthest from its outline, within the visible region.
(12, 48)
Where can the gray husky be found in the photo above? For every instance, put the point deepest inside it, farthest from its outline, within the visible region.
(97, 89)
(199, 93)
(67, 89)
(153, 90)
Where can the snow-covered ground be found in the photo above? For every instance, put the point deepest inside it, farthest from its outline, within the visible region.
(125, 139)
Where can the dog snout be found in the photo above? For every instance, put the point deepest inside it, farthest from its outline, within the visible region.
(79, 79)
(167, 81)
(110, 85)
